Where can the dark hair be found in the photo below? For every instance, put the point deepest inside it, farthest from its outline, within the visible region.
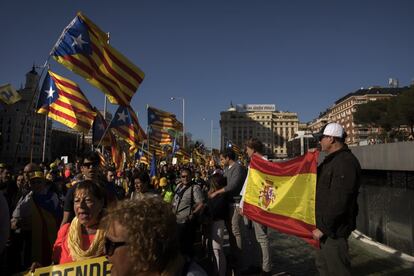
(93, 188)
(229, 153)
(110, 169)
(92, 156)
(188, 170)
(217, 181)
(144, 177)
(255, 144)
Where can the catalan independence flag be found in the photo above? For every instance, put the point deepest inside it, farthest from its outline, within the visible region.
(161, 119)
(62, 100)
(281, 195)
(117, 155)
(160, 136)
(83, 48)
(99, 130)
(125, 123)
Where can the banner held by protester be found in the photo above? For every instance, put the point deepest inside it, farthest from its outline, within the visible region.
(96, 266)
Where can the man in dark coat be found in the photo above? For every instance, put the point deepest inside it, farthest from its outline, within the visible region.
(336, 201)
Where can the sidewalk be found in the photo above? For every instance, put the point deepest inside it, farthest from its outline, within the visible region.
(294, 256)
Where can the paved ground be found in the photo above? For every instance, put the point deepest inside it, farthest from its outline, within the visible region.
(295, 257)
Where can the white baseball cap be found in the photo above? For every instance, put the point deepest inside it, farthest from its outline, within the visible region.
(334, 130)
(331, 129)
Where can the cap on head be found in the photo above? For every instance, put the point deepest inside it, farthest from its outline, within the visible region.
(334, 130)
(331, 129)
(36, 175)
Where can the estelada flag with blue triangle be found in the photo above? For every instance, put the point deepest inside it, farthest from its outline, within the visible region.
(62, 100)
(99, 129)
(84, 49)
(125, 123)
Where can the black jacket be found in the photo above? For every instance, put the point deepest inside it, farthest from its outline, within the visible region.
(336, 194)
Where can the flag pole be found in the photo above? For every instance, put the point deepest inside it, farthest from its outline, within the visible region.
(106, 98)
(104, 116)
(148, 132)
(29, 106)
(44, 139)
(106, 130)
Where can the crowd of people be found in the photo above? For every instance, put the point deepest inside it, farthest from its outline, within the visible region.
(64, 213)
(149, 225)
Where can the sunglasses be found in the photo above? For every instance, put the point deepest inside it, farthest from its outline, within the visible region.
(111, 246)
(323, 136)
(89, 164)
(184, 176)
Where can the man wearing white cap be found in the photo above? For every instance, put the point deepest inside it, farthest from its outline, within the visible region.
(336, 201)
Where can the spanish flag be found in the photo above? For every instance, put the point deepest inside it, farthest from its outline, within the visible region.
(281, 195)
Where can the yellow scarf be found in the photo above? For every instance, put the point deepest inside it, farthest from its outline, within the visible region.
(96, 249)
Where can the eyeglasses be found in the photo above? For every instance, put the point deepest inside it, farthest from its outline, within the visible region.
(111, 246)
(184, 176)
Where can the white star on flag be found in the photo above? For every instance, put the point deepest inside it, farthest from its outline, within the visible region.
(78, 41)
(50, 92)
(122, 116)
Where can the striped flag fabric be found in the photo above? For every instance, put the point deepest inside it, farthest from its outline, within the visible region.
(161, 119)
(83, 48)
(125, 123)
(281, 195)
(234, 147)
(160, 136)
(63, 101)
(117, 155)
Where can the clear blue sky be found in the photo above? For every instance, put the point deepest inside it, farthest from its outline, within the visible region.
(299, 55)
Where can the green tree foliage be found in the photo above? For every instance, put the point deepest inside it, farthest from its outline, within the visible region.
(372, 113)
(405, 105)
(388, 114)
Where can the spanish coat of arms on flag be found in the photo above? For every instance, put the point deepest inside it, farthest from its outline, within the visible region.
(281, 195)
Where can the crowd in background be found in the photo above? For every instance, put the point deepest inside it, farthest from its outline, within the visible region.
(62, 213)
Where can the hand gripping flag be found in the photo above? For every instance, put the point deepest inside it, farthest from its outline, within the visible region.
(8, 94)
(83, 49)
(62, 100)
(281, 195)
(125, 123)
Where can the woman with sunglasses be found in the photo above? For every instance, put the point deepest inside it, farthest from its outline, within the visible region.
(82, 238)
(141, 239)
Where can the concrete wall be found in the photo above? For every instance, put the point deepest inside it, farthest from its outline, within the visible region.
(388, 157)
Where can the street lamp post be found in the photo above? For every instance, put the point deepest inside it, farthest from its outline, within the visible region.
(180, 98)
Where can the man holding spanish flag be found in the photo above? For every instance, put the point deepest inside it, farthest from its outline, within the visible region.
(336, 201)
(317, 204)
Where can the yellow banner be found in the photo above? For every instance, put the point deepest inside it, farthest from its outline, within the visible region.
(291, 196)
(92, 267)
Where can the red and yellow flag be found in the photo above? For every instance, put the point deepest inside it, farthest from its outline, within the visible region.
(281, 195)
(63, 101)
(83, 48)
